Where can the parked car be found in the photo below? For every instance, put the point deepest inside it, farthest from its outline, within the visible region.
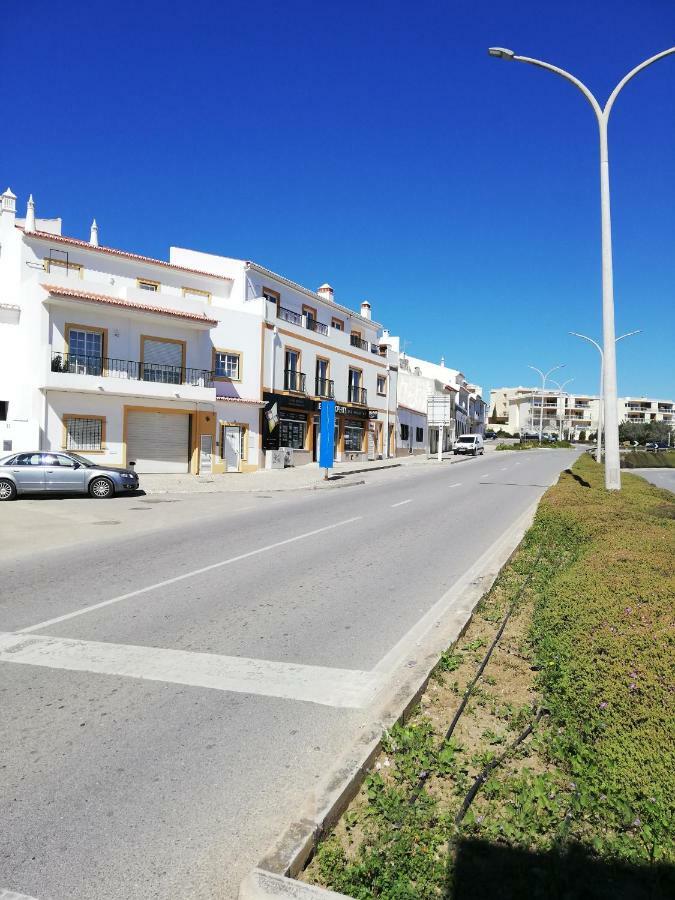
(549, 438)
(61, 473)
(491, 435)
(655, 446)
(469, 443)
(530, 436)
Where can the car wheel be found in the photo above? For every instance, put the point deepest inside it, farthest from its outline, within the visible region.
(7, 489)
(101, 488)
(475, 452)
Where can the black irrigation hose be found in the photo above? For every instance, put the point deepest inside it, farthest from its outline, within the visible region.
(482, 778)
(469, 690)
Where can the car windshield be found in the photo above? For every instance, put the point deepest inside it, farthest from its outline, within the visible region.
(466, 440)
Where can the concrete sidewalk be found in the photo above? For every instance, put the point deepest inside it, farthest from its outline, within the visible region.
(292, 479)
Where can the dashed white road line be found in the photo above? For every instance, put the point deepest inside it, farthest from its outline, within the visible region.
(177, 578)
(14, 895)
(290, 681)
(456, 484)
(402, 503)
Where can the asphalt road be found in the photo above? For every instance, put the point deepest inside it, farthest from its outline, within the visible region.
(663, 478)
(169, 698)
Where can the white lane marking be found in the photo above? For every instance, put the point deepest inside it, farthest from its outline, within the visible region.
(402, 503)
(457, 484)
(14, 895)
(504, 469)
(290, 681)
(161, 584)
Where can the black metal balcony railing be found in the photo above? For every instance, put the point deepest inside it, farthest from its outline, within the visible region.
(289, 315)
(356, 341)
(325, 388)
(318, 327)
(106, 367)
(294, 381)
(358, 395)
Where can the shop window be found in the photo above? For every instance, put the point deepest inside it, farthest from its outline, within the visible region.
(353, 437)
(405, 432)
(292, 430)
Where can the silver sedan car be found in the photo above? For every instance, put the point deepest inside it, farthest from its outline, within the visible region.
(61, 473)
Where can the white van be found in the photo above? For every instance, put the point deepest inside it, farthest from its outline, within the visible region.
(469, 443)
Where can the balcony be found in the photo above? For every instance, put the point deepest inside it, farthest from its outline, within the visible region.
(294, 381)
(289, 315)
(666, 407)
(325, 387)
(358, 395)
(302, 320)
(315, 326)
(357, 341)
(75, 371)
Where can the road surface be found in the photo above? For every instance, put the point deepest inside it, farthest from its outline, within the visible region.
(170, 697)
(663, 478)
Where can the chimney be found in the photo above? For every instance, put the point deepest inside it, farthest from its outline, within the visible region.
(8, 207)
(29, 224)
(326, 293)
(365, 310)
(93, 236)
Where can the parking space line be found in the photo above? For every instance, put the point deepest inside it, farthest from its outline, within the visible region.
(177, 578)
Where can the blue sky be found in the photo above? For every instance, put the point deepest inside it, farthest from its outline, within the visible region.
(375, 146)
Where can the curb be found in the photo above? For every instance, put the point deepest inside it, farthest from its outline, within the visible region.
(410, 668)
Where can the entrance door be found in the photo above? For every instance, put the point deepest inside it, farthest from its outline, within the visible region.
(232, 447)
(316, 437)
(205, 451)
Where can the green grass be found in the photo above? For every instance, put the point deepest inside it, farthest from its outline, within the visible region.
(533, 445)
(598, 779)
(641, 459)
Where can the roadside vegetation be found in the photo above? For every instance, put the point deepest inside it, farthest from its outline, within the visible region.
(534, 445)
(641, 459)
(583, 806)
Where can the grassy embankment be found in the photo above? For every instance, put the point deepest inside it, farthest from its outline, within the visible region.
(641, 459)
(583, 808)
(533, 445)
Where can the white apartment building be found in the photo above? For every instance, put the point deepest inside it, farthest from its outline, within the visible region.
(201, 364)
(414, 435)
(518, 409)
(313, 348)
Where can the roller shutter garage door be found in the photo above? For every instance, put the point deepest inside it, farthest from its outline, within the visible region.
(158, 442)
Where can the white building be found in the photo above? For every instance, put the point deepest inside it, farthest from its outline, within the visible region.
(469, 417)
(643, 409)
(414, 434)
(200, 364)
(313, 348)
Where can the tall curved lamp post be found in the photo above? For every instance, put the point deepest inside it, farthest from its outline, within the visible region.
(612, 469)
(544, 376)
(561, 388)
(585, 337)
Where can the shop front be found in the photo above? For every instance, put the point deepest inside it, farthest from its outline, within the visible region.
(355, 428)
(288, 424)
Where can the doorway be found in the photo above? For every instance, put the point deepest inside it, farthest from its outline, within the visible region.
(232, 447)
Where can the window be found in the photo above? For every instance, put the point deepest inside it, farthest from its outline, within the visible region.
(85, 349)
(27, 459)
(381, 385)
(4, 407)
(146, 285)
(354, 378)
(292, 363)
(405, 431)
(419, 435)
(84, 433)
(162, 360)
(271, 296)
(59, 265)
(337, 324)
(310, 312)
(354, 432)
(227, 365)
(196, 294)
(292, 430)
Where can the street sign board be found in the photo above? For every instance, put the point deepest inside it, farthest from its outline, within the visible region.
(327, 443)
(439, 410)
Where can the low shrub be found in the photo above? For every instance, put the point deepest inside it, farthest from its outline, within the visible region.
(535, 445)
(642, 459)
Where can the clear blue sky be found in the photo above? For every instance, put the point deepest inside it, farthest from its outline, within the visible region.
(375, 146)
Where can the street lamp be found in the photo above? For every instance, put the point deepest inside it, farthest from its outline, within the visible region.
(544, 376)
(612, 464)
(561, 389)
(598, 452)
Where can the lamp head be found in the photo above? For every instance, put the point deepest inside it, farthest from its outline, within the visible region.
(501, 53)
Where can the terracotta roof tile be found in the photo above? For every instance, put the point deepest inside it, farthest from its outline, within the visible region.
(71, 293)
(59, 239)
